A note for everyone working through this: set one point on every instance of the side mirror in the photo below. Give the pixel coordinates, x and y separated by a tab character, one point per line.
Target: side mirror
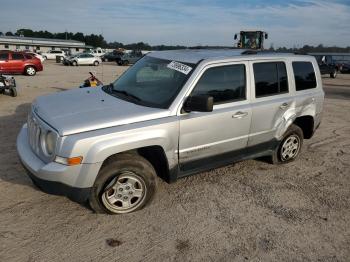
266	35
201	103
235	37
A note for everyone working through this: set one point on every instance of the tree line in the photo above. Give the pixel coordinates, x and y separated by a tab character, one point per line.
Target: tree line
99	41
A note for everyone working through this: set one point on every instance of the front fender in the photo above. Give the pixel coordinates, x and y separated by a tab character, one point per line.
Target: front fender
104	148
96	146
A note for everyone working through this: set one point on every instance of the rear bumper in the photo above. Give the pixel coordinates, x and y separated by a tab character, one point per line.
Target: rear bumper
39	67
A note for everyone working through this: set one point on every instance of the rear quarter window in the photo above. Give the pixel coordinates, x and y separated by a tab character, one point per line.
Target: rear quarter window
304	75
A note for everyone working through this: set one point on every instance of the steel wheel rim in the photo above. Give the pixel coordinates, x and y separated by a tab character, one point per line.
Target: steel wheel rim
124	193
30	71
290	147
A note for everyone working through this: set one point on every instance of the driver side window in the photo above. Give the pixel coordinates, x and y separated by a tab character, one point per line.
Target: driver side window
224	83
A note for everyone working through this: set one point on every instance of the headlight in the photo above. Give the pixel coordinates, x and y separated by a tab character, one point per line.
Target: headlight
49	143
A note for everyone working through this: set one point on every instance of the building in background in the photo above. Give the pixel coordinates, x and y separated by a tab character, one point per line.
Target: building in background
21	43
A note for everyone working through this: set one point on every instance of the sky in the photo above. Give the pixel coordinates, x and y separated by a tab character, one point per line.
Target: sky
181	22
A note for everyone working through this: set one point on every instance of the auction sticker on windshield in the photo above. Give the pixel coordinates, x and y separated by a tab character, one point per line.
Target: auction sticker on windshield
185	69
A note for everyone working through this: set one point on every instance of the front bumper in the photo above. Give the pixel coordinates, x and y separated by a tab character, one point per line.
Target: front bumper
55	178
76	194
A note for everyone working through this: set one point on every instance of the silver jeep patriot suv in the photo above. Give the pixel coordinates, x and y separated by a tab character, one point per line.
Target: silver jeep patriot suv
172	114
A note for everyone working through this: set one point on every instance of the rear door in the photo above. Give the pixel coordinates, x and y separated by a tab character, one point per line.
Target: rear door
204	137
270	99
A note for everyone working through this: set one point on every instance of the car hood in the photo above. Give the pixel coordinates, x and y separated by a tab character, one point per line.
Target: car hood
86	109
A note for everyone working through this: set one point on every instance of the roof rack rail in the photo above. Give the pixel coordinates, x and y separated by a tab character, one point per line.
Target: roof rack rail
300	53
254	52
249	52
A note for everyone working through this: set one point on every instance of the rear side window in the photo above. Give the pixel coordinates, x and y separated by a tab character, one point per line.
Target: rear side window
270	78
17	56
28	56
223	83
304	75
4	56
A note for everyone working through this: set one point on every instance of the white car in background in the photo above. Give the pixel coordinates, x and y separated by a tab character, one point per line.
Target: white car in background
82	59
98	52
53	53
42	59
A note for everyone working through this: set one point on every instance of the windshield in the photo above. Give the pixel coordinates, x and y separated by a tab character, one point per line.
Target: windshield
151	82
251	40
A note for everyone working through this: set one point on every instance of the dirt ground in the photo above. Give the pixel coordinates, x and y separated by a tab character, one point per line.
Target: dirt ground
248	211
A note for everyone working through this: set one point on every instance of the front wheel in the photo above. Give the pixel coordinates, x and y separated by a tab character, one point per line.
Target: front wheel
30	71
96	63
74	63
289	147
333	74
13	91
126	184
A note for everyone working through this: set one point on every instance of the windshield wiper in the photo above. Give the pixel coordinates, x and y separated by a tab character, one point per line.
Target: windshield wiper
108	88
125	93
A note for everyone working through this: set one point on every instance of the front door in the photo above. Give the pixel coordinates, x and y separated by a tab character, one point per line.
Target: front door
206	136
4	62
16	62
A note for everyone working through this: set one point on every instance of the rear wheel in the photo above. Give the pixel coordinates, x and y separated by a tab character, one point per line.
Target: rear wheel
124	185
30	71
289	147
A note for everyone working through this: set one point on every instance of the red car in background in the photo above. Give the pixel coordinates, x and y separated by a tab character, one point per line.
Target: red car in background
19	63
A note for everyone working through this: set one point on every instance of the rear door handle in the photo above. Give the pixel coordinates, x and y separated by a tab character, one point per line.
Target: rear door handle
240	114
284	105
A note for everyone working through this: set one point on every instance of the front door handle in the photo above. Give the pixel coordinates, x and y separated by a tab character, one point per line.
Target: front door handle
240	114
284	105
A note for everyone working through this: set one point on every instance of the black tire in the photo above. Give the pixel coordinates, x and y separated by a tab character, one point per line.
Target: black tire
294	132
96	63
333	74
108	176
30	71
13	91
74	63
126	62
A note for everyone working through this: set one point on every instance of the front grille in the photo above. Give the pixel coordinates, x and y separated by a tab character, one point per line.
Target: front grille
34	132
